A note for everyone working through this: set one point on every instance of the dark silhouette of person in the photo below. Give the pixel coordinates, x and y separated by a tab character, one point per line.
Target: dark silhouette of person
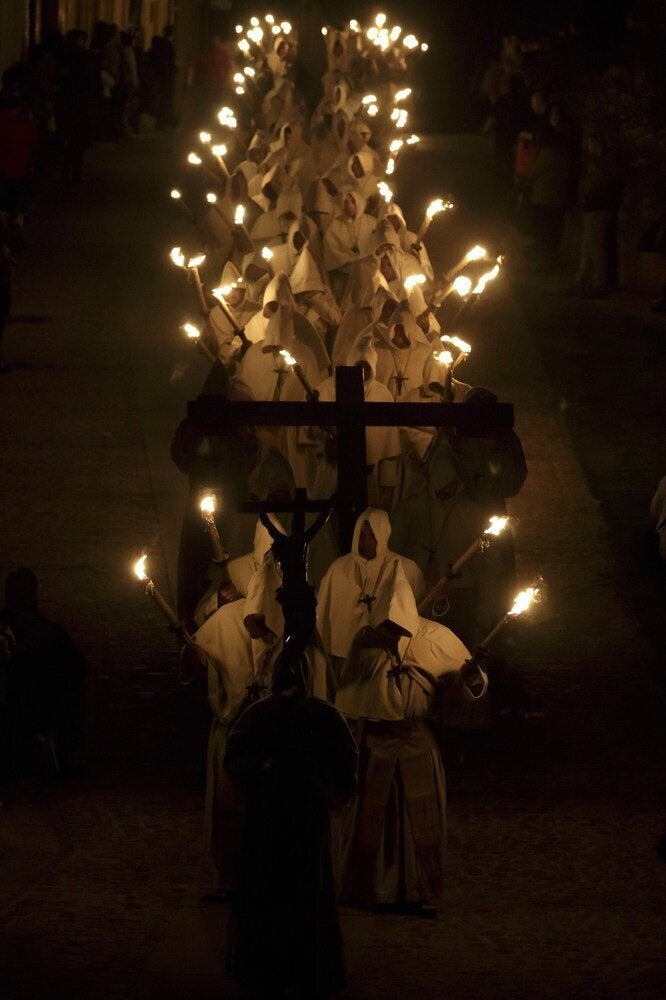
293	759
45	681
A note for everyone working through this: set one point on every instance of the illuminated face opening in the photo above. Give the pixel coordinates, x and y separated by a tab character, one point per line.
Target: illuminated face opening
270	308
338	49
388	309
298	241
349	206
288	137
367	543
257	155
357	168
235	297
387	269
399	336
423	320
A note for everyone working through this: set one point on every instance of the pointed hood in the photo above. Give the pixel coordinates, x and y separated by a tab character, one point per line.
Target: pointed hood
381	297
364	350
290	200
340	129
278	290
396	602
360	131
391	211
381	529
434	372
306	277
366	160
359	200
385	234
261	599
230	274
416	301
261	142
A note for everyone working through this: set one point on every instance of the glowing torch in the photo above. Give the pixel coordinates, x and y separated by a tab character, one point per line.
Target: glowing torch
207	508
151	590
476	253
481	544
434	208
310	394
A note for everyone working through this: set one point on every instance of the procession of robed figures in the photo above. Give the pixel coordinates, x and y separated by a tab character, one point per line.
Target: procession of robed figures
334	452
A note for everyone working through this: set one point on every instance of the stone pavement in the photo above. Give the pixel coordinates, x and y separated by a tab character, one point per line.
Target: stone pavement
553	885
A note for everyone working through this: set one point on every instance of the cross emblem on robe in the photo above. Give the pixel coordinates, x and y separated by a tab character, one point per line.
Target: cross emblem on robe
350	415
368	600
400	380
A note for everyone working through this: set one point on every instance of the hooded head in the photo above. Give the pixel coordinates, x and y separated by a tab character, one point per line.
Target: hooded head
255	270
384	304
363	353
385	236
238	190
359	137
278	295
257	151
393	214
358	200
276	479
306	277
372	524
360	165
289	206
434	373
340	128
441	472
404	332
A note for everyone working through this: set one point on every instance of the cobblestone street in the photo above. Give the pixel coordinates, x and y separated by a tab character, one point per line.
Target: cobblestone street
554	888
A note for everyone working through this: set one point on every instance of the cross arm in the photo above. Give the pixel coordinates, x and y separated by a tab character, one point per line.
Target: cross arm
216	414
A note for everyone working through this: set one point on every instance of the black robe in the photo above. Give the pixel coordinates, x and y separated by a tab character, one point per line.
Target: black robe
293	759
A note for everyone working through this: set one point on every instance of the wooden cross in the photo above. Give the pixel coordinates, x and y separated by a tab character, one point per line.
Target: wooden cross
350	414
368	600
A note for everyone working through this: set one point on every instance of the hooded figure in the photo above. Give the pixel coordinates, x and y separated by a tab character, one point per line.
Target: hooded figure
361	171
242	307
314	298
294	156
333	150
278	296
240	571
256	274
449	522
393	839
286	255
272	225
415	441
424	314
269	377
359	315
394	215
359	142
366	587
349	236
401	354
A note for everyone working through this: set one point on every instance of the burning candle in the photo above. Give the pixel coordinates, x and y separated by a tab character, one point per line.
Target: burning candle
177	195
267	256
413	280
463	348
311	394
207	508
219	151
193	265
239	215
373	110
368	99
194	334
385	191
219	294
402	95
476	253
174	623
433	209
521	603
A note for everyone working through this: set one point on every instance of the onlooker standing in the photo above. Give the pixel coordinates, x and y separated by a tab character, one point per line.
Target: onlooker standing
18	136
77	102
598	198
547	182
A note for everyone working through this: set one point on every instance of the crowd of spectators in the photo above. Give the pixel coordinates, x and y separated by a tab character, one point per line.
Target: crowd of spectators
579	134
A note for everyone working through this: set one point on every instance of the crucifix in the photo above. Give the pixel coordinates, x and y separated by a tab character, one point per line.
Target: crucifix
368	600
350	415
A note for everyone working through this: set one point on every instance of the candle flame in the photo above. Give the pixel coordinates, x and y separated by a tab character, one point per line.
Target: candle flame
256	35
194	159
396	145
485	278
413	139
254	21
369	99
462	285
476	253
424	46
249	72
207	505
523	600
177	257
140	568
354	25
267	254
402	95
192	331
175	194
444	357
390	166
385	191
437	206
373	110
286	27
205	137
219	150
496	526
240	91
276	29
197	260
238	78
380	20
410	41
395	33
239	29
244	45
372	33
413	280
270	19
239	215
401	120
289	359
324	31
462	345
211	198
